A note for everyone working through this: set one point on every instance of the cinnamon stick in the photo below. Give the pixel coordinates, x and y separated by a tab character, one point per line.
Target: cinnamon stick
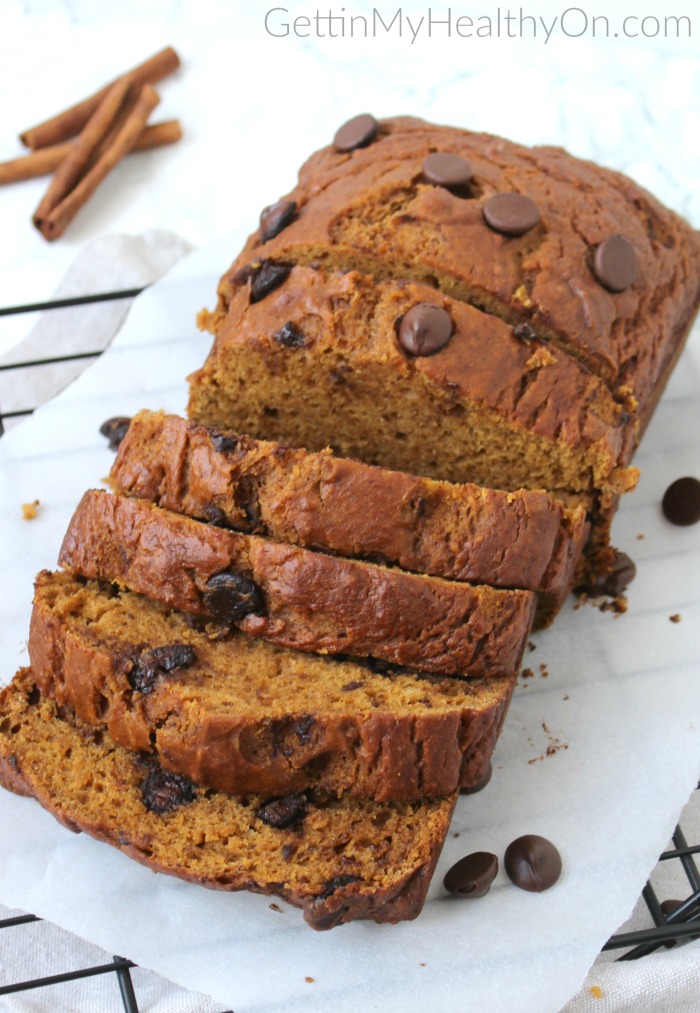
44	161
71	121
75	164
56	221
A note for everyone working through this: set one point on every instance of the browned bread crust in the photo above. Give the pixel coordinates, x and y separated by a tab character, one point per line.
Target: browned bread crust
372	209
310	601
523	539
245	716
341	860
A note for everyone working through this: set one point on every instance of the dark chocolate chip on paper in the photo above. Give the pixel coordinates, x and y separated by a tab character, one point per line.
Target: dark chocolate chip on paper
472	876
115	430
532	863
681	502
614	583
512	214
356	133
425	329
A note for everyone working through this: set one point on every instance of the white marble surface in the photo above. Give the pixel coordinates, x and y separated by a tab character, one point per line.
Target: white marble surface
253	107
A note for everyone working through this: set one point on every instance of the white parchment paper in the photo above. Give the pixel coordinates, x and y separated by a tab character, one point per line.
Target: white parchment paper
619	707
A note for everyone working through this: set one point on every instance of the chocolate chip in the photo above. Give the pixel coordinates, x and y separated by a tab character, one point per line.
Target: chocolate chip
267	278
224	442
303	726
151	665
443	168
214	515
513	214
174	656
356	133
614	583
288	852
425	329
163	791
290	335
351	685
524	332
472	876
337	883
282	812
115	430
275	218
231	597
532	863
681	502
480	784
615	264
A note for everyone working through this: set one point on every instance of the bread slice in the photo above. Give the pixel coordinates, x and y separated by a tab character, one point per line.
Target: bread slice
298	598
338	859
523	539
243	715
490	408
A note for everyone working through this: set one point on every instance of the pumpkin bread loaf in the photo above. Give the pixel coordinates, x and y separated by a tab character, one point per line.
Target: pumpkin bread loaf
338	859
523	539
242	715
295	597
560	295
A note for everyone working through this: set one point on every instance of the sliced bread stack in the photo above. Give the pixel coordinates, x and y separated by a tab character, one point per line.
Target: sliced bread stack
273	668
224	650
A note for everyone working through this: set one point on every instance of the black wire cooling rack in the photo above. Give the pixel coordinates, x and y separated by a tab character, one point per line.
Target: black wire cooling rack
674	922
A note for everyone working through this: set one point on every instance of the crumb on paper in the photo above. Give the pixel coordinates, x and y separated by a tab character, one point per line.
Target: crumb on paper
531	646
456	833
554	745
640	537
308	978
544	671
675	618
596	991
527	673
566	696
276	907
422	963
30	510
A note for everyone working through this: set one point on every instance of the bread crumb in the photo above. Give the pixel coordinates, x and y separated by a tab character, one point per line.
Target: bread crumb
527	673
596	991
565	697
30	510
456	833
640	537
307	978
544	671
276	907
675	618
554	745
522	296
422	963
540	357
531	646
